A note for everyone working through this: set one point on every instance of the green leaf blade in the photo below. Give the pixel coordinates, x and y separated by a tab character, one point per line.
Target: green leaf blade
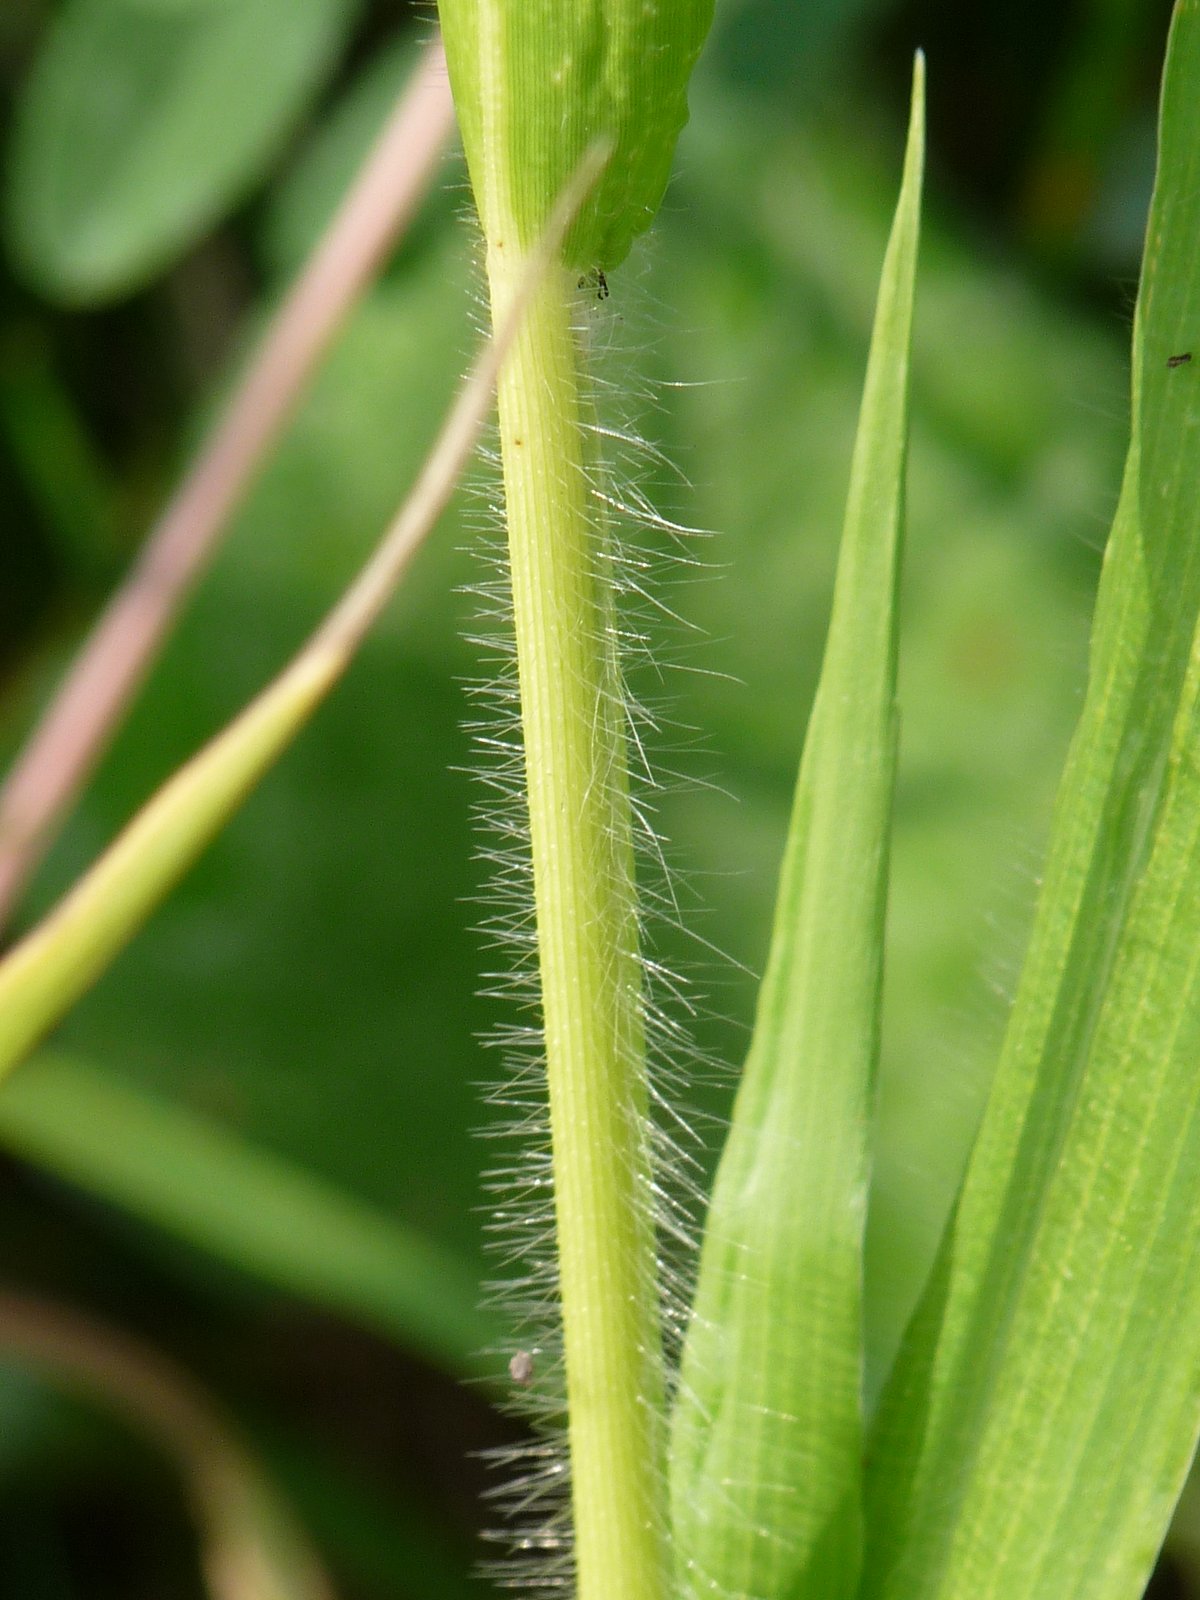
1044	1407
767	1431
142	123
572	73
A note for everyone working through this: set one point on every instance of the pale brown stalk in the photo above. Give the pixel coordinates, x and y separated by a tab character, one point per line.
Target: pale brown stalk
251	1548
106	674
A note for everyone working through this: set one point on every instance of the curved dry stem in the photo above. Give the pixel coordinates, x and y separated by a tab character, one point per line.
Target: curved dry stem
109	669
251	1546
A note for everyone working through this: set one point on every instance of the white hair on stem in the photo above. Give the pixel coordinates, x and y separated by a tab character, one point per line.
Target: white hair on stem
635	544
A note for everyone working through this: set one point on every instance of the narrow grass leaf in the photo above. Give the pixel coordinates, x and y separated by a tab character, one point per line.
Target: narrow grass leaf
1045	1404
264	1215
767	1429
43	976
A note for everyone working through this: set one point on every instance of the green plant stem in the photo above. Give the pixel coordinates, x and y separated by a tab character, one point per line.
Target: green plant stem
580	829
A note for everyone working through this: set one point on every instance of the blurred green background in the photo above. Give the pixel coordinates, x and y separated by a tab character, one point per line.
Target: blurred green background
255	1145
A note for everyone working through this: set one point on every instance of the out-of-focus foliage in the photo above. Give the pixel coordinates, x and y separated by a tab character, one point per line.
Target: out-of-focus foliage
312	990
143	121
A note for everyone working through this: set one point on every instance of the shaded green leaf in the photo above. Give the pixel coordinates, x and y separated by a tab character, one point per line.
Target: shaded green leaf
1045	1405
142	123
767	1432
211	1189
61	468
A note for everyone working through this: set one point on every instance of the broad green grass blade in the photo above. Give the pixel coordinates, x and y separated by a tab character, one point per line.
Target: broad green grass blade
767	1430
265	1215
1045	1404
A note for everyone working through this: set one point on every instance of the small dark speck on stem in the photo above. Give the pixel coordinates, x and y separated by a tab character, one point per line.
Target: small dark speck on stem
1180	360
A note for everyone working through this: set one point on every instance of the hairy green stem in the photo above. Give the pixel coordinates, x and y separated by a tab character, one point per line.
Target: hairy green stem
579	814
